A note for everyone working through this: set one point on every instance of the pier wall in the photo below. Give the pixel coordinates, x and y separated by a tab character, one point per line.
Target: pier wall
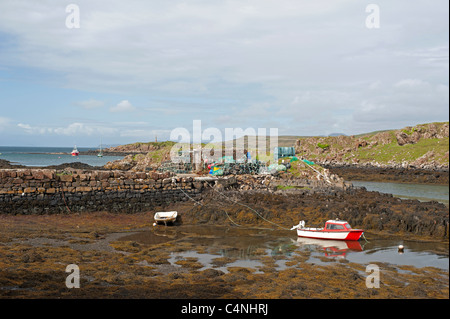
46	191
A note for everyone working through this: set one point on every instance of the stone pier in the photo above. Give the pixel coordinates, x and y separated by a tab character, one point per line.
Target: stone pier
42	191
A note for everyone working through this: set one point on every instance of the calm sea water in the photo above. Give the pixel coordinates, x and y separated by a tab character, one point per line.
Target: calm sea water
422	192
246	246
47	156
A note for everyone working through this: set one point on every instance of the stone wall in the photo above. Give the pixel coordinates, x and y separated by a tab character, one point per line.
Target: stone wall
248	182
41	191
48	191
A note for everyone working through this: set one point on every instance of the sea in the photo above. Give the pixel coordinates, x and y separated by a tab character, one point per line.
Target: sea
421	192
49	156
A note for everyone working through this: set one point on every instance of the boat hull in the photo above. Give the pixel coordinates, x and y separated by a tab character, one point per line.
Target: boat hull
166	217
354	234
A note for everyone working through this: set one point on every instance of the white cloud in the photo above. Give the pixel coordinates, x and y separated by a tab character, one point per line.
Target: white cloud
302	64
90	104
431	56
123	106
182	46
410	83
73	129
407	102
33	130
146	134
26	127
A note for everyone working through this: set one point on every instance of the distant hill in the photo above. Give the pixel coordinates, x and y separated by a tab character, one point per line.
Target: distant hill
283	141
336	134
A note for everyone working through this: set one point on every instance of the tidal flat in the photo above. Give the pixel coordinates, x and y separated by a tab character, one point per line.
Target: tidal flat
125	256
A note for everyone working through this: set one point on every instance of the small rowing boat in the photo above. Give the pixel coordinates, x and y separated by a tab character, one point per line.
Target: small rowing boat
334	229
166	217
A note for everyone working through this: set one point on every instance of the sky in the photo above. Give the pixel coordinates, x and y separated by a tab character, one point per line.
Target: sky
84	72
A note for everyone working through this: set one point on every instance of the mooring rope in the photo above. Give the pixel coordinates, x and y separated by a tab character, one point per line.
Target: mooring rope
364	236
325	177
64	198
231	219
174	183
250	209
199	203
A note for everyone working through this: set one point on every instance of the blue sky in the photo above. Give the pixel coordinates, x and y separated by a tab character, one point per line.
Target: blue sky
139	69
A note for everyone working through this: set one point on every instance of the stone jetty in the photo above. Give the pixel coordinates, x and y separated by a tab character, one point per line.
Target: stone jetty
40	191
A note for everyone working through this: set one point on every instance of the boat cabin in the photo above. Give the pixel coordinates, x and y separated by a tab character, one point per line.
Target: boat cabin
337	225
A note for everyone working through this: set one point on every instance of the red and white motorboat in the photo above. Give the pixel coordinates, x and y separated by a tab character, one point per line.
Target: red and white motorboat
334	229
75	151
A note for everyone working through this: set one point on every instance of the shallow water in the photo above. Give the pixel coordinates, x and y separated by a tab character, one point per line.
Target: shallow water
48	156
220	247
417	254
422	192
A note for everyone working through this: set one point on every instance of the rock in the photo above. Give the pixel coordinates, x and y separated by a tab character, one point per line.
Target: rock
360	143
95	235
50	190
38	175
197	185
65	178
29	189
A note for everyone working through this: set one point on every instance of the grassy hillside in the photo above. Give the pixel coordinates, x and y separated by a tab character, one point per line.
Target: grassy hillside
419	145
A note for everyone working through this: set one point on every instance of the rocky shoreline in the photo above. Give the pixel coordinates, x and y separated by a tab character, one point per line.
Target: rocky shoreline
110	153
352	172
4	164
349	172
378	213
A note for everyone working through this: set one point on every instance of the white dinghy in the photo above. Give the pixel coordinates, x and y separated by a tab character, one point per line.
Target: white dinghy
166	217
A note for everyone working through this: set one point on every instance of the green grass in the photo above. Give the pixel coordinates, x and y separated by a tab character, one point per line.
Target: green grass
155	144
64	173
407	152
323	146
284	187
381	147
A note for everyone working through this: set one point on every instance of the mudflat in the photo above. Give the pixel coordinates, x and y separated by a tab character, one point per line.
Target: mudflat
125	256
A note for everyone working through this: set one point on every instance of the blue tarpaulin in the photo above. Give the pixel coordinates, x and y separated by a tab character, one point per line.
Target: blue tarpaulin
280	152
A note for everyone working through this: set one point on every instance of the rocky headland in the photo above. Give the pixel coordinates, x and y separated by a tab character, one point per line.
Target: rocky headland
424	146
